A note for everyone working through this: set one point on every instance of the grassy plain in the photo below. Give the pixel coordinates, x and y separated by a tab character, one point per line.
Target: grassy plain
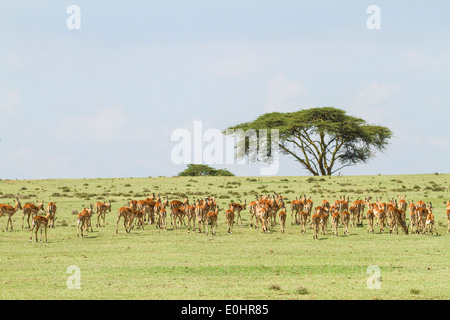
154	264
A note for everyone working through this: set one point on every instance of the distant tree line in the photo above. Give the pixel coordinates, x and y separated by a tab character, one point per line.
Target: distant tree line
203	170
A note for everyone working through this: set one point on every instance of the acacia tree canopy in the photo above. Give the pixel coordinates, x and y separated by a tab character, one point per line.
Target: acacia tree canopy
323	140
203	170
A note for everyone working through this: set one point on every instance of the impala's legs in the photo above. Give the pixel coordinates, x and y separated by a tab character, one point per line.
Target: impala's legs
31	234
10	223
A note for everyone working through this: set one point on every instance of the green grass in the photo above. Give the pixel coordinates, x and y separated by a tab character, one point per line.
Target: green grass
153	264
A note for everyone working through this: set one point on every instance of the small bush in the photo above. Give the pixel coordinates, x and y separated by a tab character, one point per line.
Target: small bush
275	287
302	291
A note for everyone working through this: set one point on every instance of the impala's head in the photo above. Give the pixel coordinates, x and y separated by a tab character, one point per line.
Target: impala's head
283	207
18	204
41	205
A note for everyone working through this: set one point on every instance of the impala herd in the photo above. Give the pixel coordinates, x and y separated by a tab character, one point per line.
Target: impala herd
263	212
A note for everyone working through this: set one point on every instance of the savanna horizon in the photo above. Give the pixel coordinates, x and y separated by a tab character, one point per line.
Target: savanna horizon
150	263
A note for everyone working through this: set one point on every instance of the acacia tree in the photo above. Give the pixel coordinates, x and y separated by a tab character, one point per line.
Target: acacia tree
203	170
323	140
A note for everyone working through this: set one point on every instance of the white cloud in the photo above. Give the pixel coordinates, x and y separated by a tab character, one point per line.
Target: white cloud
283	95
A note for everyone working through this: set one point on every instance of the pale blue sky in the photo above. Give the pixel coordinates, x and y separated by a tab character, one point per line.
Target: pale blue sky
103	101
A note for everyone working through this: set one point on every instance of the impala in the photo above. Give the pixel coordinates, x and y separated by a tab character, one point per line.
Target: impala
342	204
392	221
325	204
421	204
51	209
282	216
149	206
84	221
153	210
229	215
402	204
211	202
100	209
307	205
413	216
430	225
139	215
252	210
370	220
315	222
262	216
448	215
345	220
6	209
422	214
448	221
379	213
178	216
133	204
275	205
38	222
399	215
211	220
237	207
201	210
335	218
177	203
324	222
190	215
447	205
353	215
30	209
296	206
163	219
127	214
360	206
303	219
